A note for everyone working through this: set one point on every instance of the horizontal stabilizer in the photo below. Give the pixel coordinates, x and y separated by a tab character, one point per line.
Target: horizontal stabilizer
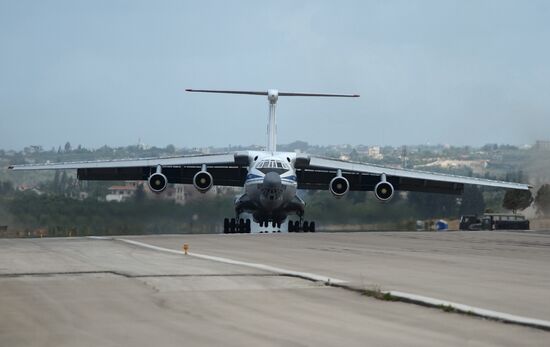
319	94
249	92
226	91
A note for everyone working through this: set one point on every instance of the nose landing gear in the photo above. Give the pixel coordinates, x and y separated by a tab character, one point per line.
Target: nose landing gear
236	225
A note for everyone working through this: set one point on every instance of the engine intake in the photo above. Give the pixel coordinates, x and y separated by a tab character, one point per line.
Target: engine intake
203	181
157	182
383	191
339	186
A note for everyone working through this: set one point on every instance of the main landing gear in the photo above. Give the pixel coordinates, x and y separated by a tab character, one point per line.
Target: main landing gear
236	225
301	227
241	225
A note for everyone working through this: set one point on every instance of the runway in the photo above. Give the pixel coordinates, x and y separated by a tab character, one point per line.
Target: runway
89	292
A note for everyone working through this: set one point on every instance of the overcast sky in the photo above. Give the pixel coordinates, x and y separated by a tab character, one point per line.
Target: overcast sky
110	72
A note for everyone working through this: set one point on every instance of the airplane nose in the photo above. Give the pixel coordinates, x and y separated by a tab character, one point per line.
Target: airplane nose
272	188
272	180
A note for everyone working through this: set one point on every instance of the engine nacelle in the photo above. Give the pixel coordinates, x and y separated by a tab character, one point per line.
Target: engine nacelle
157	182
339	186
203	181
383	191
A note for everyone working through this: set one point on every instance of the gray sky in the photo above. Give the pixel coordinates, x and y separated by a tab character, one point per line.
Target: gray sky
110	72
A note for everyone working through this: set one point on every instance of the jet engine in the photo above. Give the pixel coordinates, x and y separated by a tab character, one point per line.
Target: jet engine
203	181
339	185
157	182
383	190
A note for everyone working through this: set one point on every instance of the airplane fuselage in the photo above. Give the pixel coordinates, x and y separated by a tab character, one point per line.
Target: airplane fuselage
270	188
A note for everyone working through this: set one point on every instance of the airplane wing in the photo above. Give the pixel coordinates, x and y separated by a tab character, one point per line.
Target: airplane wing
316	172
227	169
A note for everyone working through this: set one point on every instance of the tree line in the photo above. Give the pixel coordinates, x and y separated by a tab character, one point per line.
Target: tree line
60	213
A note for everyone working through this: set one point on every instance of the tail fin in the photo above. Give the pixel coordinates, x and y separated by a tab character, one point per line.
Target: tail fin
272	96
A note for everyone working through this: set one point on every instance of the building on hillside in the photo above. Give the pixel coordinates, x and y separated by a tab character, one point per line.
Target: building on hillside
374	152
542	145
477	166
121	193
344	157
27	188
175	192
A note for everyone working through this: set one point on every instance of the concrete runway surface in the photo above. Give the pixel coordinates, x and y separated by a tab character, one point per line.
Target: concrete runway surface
90	292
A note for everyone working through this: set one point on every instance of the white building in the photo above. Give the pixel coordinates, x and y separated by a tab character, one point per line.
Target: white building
175	192
374	152
121	193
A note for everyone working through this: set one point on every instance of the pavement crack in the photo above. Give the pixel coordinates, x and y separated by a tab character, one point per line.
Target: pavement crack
129	275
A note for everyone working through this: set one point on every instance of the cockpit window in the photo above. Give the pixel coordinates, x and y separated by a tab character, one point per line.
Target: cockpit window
268	165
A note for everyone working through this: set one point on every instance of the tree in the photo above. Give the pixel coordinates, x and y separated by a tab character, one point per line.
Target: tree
67	146
433	205
542	200
140	193
171	149
55	184
472	201
6	187
515	199
353	155
63	183
357	197
515	176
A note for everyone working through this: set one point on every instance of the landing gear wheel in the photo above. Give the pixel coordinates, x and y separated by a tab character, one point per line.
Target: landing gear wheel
226	225
241	226
232	226
311	227
248	228
305	227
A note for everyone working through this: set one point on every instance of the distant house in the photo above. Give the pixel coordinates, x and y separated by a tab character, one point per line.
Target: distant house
27	188
121	193
374	152
477	166
124	192
542	145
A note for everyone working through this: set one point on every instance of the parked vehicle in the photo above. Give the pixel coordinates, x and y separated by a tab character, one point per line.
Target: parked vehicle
494	221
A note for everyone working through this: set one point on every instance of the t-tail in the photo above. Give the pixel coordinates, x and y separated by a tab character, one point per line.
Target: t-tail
272	97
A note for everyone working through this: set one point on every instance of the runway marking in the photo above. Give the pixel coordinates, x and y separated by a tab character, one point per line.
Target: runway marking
481	312
399	296
306	275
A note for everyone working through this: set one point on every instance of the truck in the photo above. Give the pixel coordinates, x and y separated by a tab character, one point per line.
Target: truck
494	221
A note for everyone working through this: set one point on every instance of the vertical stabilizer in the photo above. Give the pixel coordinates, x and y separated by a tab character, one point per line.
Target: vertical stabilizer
272	96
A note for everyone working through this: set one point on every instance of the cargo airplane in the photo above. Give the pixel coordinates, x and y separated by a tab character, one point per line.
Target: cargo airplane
271	178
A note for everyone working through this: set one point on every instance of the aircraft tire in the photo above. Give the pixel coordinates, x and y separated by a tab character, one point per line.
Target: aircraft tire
226	225
241	226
